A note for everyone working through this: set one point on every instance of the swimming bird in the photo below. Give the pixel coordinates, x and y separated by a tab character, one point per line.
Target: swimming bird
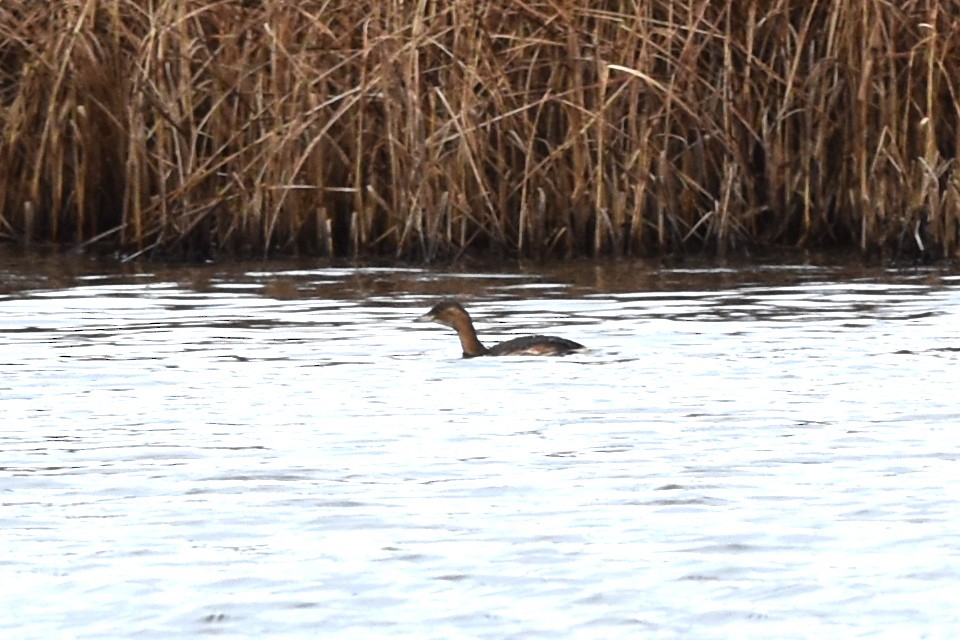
452	314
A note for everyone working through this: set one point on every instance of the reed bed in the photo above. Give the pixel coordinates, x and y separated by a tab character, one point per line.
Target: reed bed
427	129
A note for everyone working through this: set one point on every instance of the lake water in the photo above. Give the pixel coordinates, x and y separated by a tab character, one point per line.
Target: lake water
277	450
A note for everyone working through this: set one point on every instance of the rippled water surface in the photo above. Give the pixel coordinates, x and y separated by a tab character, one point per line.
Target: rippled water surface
278	451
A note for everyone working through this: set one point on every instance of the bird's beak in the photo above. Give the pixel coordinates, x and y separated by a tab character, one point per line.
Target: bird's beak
427	317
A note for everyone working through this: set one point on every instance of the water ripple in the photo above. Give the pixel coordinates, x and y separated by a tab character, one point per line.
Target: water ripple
281	452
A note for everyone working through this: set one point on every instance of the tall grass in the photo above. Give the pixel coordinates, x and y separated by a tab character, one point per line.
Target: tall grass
427	129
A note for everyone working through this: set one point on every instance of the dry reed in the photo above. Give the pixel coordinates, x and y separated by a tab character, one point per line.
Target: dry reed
426	129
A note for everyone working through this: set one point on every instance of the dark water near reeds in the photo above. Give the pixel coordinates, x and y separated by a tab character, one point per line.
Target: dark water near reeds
278	451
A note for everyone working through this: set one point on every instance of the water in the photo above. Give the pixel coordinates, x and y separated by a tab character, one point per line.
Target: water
278	451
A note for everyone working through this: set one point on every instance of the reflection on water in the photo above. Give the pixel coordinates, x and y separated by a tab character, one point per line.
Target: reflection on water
279	451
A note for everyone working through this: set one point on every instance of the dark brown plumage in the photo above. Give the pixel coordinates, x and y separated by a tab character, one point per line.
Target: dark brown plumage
452	314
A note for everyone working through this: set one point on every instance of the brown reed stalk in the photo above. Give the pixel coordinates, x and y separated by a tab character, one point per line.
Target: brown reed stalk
424	130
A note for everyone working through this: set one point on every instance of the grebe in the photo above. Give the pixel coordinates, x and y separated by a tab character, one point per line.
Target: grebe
452	314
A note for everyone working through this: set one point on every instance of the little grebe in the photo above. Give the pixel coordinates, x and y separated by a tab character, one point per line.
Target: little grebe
452	314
